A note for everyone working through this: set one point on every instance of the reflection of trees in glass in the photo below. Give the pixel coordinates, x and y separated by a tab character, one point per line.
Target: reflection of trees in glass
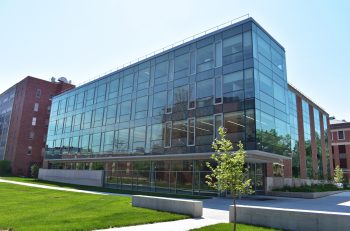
319	173
271	141
308	157
295	160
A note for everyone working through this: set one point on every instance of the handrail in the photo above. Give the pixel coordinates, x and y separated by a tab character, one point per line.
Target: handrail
228	23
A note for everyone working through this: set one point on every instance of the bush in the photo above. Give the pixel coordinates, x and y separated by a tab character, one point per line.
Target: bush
5	167
309	188
34	171
338	175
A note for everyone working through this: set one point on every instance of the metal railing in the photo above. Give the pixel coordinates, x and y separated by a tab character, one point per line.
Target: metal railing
167	48
187	182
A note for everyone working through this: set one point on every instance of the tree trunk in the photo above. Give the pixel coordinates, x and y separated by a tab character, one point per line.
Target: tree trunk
235	214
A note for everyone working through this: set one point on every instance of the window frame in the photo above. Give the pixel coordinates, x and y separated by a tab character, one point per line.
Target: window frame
194	131
338	132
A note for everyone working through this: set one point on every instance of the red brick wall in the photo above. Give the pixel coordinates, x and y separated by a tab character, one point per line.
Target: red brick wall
313	142
323	146
302	151
21	123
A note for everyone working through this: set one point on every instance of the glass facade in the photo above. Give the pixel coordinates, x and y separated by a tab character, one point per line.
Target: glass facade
6	104
173	103
294	134
271	95
307	137
317	123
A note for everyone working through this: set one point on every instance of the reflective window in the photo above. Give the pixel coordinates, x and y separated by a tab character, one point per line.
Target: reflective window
70	103
264	47
192	96
266	84
87	119
77	122
205	89
113	88
167	142
181	94
162	69
68	124
144	75
160	99
234	123
157	135
218	54
89	96
232	45
218	90
79	100
98	120
182	62
101	93
204	130
125	108
179	136
279	93
191	131
139	138
170	101
217	124
205	58
277	59
108	141
74	145
142	104
249	83
157	131
123	140
233	82
111	114
193	62
84	144
96	142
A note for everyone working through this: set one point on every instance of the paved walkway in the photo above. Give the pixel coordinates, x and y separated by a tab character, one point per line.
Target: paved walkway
216	209
210	217
60	188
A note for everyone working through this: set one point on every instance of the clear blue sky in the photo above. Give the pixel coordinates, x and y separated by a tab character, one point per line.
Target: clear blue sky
82	39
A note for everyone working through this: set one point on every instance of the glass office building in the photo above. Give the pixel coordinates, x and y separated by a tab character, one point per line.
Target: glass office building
150	125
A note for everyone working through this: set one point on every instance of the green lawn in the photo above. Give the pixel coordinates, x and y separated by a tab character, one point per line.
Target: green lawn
27	208
98	189
228	227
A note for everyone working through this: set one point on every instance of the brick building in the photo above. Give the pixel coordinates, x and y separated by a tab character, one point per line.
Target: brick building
24	118
340	130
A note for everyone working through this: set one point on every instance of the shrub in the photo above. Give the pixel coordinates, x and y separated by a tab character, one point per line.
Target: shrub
34	171
5	167
338	175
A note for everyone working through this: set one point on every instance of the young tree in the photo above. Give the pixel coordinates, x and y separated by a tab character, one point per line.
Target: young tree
338	175
229	174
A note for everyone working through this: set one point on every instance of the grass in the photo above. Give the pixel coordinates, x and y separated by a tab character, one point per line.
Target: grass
228	227
99	189
310	188
25	208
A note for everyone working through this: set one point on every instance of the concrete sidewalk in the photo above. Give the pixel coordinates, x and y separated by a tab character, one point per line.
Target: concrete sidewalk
210	217
60	188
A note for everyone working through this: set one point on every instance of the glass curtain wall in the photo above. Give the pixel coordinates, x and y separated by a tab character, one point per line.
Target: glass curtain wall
293	120
307	137
325	131
317	123
172	103
271	95
6	104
